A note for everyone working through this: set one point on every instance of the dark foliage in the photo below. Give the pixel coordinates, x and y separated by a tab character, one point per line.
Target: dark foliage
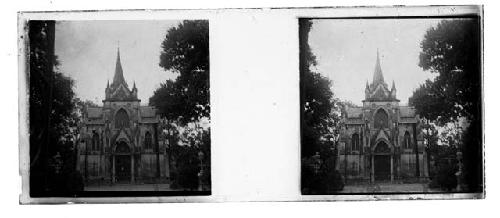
473	157
51	102
316	96
187	168
452	50
445	178
185	51
445	167
188	162
317	122
326	180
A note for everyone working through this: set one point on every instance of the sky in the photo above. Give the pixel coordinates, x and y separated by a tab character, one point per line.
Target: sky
87	53
346	52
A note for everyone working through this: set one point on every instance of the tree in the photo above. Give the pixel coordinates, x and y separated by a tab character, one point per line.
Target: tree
428	103
452	50
320	115
316	96
185	51
186	153
51	103
185	101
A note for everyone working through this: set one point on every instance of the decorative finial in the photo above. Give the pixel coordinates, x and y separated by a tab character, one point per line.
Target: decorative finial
378	56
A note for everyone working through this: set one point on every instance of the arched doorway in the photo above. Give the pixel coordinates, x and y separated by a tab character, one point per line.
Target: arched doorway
123	163
382	162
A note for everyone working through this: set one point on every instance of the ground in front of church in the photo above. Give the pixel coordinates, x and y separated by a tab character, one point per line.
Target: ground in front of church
389	188
130	187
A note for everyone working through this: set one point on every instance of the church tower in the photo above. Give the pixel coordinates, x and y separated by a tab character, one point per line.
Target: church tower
379	139
120	140
378	90
119	90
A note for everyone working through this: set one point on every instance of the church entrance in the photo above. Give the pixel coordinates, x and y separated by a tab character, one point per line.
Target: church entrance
122	168
382	162
382	167
123	163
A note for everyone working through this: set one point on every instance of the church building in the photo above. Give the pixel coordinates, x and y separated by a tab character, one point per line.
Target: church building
381	141
121	141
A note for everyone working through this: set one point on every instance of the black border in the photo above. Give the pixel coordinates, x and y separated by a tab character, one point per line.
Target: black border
107	194
480	19
93	194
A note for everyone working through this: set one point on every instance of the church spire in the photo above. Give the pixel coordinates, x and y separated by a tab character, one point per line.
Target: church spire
378	77
118	78
393	85
118	90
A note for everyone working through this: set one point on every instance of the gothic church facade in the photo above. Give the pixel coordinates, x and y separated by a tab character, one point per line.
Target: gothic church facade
381	140
121	141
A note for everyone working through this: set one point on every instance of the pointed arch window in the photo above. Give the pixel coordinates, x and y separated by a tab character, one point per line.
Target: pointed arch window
355	142
148	140
407	140
95	141
381	119
121	119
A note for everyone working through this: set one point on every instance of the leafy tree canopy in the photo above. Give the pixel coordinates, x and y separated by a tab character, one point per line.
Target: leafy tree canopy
452	51
185	100
50	92
185	51
318	105
51	118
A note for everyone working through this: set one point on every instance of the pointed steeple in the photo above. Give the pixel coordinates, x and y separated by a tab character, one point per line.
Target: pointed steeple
106	91
367	85
378	77
118	78
118	90
134	89
378	90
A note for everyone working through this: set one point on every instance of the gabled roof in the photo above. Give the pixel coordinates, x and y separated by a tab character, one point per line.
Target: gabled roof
381	135
122	135
94	112
407	111
354	112
148	111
